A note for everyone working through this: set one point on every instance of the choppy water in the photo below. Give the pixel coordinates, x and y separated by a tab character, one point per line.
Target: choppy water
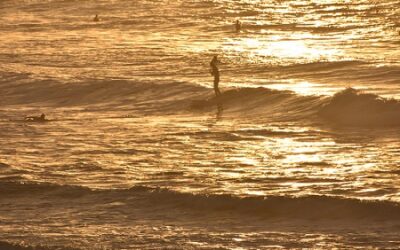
136	157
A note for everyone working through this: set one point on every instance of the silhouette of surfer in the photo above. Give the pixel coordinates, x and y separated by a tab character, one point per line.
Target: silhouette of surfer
41	118
96	18
215	72
238	26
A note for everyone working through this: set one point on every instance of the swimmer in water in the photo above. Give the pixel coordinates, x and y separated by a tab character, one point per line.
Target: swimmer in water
40	118
238	26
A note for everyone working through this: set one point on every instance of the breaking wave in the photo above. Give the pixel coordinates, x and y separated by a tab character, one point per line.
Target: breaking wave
347	107
305	207
11	246
352	107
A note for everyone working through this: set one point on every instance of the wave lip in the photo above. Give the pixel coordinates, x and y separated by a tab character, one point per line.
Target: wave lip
352	107
306	207
15	189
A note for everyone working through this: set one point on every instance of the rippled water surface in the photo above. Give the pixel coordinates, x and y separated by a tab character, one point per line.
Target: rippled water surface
301	151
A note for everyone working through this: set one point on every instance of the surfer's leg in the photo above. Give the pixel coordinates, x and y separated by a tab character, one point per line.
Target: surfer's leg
217	92
216	88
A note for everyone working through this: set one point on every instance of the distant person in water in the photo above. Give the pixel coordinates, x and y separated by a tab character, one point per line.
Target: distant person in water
238	26
215	72
40	118
96	18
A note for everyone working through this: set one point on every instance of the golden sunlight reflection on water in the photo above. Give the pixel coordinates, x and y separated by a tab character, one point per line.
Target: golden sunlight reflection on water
126	161
175	151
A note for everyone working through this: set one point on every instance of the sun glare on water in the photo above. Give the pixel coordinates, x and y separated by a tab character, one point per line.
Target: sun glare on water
286	49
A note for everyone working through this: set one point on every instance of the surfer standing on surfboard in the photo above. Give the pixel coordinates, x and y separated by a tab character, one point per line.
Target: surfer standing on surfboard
215	72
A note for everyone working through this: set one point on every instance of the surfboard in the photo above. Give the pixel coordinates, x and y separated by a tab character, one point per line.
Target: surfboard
202	104
31	121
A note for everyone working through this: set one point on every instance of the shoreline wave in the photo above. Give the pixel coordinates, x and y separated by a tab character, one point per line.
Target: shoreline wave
312	207
13	246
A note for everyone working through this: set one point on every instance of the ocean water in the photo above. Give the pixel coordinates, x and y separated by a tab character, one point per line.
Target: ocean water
302	152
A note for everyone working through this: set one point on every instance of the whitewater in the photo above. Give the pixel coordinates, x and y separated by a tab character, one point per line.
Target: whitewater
301	151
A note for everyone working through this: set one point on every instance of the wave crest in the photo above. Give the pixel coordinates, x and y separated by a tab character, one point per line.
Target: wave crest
352	107
305	207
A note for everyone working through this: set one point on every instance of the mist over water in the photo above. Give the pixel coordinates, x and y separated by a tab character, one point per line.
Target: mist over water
303	153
